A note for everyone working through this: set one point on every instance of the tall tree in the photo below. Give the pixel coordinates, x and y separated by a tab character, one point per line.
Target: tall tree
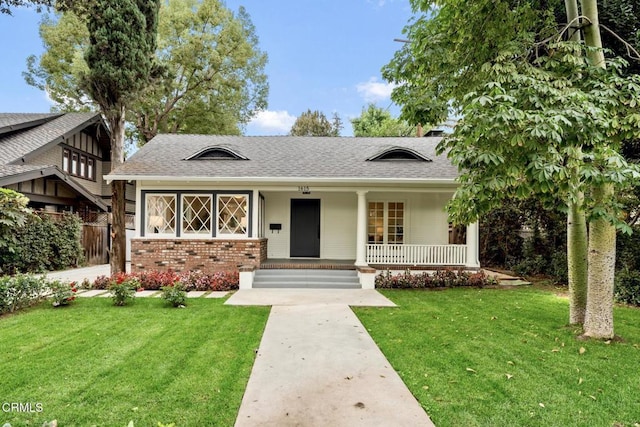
315	123
529	107
120	64
375	121
214	79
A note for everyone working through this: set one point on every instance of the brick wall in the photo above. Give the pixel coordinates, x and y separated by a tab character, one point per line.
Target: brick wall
207	255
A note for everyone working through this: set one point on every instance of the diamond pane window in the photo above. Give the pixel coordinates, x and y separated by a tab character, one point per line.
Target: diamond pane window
196	214
232	215
160	215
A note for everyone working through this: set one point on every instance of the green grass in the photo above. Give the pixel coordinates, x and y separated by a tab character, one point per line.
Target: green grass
456	349
95	364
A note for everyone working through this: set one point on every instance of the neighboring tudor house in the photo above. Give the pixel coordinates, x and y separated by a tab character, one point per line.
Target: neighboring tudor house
220	202
57	160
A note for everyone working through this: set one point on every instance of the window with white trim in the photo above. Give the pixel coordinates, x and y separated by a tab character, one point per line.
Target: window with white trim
196	214
385	223
160	217
232	214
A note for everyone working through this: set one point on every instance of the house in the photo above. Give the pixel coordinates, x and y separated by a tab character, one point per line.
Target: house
250	203
58	160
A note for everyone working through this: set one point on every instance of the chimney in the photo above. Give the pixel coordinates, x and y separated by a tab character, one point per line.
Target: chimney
419	131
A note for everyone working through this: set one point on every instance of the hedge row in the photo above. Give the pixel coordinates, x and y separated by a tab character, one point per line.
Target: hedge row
437	279
43	244
156	280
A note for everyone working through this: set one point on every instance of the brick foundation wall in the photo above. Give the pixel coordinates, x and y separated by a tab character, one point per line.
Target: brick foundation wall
206	255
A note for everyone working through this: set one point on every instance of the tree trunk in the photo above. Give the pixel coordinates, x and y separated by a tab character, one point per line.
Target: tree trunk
577	254
118	200
571	6
598	322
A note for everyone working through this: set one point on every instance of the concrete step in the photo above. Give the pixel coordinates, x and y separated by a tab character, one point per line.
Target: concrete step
313	279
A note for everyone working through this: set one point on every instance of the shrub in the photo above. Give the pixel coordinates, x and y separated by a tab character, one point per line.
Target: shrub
57	240
155	280
191	280
175	294
123	288
20	291
627	288
62	293
446	278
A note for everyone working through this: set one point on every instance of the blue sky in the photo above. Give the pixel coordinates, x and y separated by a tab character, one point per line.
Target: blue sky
324	55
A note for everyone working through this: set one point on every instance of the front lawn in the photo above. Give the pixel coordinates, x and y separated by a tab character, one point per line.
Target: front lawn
505	357
95	364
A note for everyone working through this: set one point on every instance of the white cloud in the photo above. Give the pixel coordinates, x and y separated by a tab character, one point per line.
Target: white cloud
374	91
273	121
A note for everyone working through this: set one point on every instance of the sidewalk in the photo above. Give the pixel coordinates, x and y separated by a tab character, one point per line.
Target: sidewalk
318	366
79	274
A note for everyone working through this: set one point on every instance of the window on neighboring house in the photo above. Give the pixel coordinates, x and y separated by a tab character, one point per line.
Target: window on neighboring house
83	167
232	215
78	164
385	223
74	163
196	214
160	217
91	173
66	160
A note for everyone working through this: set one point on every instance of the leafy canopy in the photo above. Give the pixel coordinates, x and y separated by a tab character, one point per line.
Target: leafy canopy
315	123
375	121
213	78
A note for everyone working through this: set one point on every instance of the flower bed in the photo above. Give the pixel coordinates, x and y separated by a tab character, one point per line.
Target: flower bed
438	279
191	280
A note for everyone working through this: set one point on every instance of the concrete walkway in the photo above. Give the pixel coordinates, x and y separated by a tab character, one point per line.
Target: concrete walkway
318	366
77	275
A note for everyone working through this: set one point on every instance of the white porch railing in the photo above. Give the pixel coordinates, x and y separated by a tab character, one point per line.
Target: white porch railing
417	254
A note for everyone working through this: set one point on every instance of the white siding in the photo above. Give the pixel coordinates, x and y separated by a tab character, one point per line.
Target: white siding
337	223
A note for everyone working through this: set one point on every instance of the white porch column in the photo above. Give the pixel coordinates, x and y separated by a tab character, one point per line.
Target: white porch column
361	230
473	244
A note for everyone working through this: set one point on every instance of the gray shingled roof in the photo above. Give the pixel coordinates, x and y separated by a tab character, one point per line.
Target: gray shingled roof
16	145
13	121
282	157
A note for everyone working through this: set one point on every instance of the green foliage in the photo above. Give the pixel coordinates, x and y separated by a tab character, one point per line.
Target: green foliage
436	279
123	289
5	5
213	78
175	294
627	288
14	213
628	250
20	291
550	129
119	56
62	293
315	123
443	60
374	122
57	239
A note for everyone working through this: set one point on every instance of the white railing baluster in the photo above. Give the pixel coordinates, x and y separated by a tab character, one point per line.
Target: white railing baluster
428	255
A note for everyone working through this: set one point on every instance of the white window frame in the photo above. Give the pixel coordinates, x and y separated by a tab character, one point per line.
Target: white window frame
185	233
147	218
219	233
385	222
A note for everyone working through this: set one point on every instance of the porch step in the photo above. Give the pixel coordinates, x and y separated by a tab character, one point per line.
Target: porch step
311	279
